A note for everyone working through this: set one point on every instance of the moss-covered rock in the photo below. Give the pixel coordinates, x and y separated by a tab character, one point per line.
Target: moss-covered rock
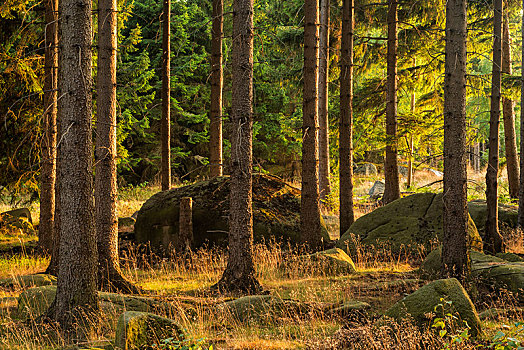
511	257
486	271
330	262
34	302
350	308
17	219
261	308
276	213
26	281
478	211
140	330
405	223
126	222
422	303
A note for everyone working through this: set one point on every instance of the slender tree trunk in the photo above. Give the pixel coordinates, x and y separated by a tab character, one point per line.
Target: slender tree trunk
48	175
76	288
240	270
347	216
323	102
520	221
215	129
508	116
493	239
310	227
166	97
392	186
410	140
476	157
106	221
455	256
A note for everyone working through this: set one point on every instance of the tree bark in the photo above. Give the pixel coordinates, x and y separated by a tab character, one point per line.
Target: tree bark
48	175
323	102
508	116
166	97
310	227
240	270
392	186
410	140
347	216
110	276
215	128
455	256
520	220
76	286
493	239
185	225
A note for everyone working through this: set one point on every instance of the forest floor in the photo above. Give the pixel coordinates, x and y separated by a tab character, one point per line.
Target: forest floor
185	287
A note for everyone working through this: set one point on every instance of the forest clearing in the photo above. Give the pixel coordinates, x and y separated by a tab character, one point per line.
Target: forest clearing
261	174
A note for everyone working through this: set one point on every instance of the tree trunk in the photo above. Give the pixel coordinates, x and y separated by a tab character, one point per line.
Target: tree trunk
310	228
323	102
410	140
185	225
240	270
166	97
347	216
215	128
520	221
508	116
476	157
48	175
493	240
76	287
392	187
455	256
109	274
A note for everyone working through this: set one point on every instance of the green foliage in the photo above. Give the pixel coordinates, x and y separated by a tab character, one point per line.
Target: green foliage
449	326
510	338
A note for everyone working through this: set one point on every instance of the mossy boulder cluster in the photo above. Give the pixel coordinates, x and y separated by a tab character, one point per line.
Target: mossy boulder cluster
276	213
426	299
487	271
406	223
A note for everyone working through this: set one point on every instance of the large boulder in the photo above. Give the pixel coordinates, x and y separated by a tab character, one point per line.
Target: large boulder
276	213
487	271
478	210
405	223
377	190
140	330
422	303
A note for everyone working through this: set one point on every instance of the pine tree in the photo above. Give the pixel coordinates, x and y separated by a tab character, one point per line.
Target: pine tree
166	97
215	128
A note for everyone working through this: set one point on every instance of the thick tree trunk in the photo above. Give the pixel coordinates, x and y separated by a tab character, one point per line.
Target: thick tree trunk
215	128
310	228
240	270
76	288
48	175
323	102
109	274
392	186
455	256
520	221
166	97
508	115
347	216
493	239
